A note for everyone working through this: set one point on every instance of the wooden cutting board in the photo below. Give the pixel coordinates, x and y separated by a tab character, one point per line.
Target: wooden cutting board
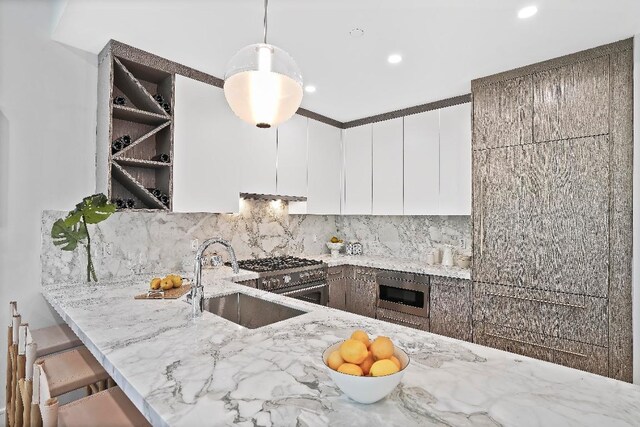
173	293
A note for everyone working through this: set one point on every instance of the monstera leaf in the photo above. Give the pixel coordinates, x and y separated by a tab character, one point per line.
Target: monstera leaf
72	230
94	209
68	235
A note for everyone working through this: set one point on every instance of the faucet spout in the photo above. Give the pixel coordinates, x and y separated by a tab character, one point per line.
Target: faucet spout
196	295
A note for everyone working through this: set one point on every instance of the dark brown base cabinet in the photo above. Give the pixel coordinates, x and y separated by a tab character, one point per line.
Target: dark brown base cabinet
552	210
353	289
451	304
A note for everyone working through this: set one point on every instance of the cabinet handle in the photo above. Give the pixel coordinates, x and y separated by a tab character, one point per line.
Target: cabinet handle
304	290
481	215
563	304
546	347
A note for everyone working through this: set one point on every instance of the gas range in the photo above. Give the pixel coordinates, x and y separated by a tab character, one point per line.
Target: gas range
300	278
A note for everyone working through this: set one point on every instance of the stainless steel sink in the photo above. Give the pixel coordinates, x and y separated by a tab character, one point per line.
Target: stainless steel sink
248	311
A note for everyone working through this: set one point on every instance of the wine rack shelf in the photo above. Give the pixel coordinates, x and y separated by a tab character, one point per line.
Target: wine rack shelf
135	128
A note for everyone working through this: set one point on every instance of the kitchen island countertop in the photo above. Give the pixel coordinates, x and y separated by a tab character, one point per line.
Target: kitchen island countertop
213	372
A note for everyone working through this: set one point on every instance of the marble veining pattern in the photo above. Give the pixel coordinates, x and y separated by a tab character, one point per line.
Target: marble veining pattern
397	264
144	242
213	372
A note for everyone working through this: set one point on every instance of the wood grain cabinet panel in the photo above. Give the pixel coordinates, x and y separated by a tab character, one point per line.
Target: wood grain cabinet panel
362	291
542	216
572	101
337	288
553	314
587	357
503	113
450	310
403	319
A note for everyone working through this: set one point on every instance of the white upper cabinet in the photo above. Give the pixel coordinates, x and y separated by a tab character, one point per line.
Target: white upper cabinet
422	163
257	163
292	157
455	160
388	167
206	151
358	179
324	170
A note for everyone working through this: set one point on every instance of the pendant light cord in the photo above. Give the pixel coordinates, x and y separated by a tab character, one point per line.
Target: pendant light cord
266	4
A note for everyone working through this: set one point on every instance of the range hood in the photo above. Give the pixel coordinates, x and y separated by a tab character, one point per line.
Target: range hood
257	196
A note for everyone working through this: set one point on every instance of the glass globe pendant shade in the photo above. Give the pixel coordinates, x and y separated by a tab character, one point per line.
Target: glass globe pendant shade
263	85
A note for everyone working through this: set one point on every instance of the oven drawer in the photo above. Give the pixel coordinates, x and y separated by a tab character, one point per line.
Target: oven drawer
403	319
586	357
554	314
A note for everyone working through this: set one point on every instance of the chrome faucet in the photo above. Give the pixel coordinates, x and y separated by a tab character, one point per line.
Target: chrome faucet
196	295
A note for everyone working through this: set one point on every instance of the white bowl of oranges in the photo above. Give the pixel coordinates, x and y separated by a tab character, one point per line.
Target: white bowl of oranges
366	371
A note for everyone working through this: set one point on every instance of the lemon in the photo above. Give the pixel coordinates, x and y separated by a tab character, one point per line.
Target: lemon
335	360
353	351
367	363
361	335
166	284
383	367
396	361
351	369
382	348
155	283
177	280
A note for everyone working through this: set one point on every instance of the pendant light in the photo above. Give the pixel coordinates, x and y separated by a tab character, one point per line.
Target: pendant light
263	84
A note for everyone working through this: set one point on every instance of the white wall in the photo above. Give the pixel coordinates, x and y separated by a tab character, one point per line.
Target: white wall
636	210
47	145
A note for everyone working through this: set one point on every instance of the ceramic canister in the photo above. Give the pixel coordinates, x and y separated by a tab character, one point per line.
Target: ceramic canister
357	248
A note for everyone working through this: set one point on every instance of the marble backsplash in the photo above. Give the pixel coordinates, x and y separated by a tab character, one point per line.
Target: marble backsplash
152	242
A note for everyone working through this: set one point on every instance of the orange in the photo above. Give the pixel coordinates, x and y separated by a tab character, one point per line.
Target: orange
353	351
382	348
396	361
361	335
351	369
383	367
334	360
366	364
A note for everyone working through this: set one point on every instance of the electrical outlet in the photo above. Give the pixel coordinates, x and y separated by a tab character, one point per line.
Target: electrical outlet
315	238
462	244
195	244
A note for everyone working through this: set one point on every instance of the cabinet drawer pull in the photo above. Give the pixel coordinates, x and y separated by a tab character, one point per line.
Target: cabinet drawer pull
546	347
563	304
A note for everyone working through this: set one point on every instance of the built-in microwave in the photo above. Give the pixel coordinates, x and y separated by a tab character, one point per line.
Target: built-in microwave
403	292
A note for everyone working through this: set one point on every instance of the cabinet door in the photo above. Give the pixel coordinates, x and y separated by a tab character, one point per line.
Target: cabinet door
205	177
361	292
291	178
572	101
503	114
325	169
451	307
422	163
455	160
337	288
258	160
388	167
542	216
358	180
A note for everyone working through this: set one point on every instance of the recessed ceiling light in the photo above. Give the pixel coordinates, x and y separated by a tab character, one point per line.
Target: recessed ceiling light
394	59
527	12
357	32
309	88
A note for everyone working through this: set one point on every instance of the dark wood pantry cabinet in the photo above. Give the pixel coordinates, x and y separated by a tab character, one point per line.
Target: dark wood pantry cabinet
552	220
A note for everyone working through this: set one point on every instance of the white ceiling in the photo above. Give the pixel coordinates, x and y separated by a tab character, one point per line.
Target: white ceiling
445	43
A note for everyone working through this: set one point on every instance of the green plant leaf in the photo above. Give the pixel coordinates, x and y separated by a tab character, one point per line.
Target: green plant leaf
67	236
94	209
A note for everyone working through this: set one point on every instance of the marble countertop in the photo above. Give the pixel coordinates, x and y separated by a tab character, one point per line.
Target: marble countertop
181	372
397	264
